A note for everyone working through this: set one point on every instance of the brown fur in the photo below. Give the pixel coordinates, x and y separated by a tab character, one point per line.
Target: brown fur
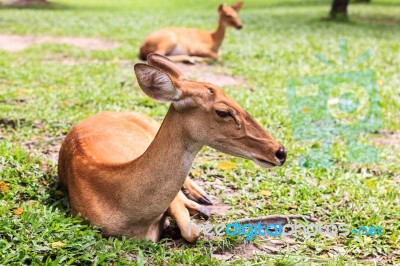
185	44
124	173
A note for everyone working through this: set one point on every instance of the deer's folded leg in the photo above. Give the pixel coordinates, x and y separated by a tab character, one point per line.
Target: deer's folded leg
180	209
188	59
195	192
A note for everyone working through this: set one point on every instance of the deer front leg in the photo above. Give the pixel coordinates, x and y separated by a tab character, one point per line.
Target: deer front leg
186	59
195	192
180	209
205	54
195	57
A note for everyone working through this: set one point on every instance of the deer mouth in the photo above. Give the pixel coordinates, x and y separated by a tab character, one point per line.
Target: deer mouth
264	163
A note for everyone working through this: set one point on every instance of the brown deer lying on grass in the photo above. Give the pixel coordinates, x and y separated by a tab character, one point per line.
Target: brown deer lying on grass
124	172
191	45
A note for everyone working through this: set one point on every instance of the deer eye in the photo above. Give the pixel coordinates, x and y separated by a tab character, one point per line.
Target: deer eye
222	114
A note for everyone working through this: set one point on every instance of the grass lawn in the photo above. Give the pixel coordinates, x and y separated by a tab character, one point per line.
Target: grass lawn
48	87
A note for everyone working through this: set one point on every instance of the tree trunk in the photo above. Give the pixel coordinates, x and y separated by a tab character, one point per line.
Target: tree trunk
339	9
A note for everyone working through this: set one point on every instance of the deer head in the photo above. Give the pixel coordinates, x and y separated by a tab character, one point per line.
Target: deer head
210	116
229	15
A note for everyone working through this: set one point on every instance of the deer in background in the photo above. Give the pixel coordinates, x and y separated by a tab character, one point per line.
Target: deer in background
191	45
124	172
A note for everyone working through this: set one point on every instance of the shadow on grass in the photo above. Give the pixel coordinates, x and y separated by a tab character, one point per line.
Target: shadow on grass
374	21
57	196
305	3
291	4
365	22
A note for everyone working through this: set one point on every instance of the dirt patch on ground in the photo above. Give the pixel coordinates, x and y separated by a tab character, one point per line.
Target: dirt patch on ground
214	74
388	138
199	72
241	251
11	123
210	73
48	146
249	250
218	207
67	60
217	187
45	144
15	43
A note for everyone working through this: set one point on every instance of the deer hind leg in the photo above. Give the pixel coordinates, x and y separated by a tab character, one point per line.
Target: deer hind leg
195	192
180	209
162	45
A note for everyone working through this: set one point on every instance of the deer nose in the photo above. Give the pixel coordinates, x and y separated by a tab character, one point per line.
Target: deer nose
239	27
281	155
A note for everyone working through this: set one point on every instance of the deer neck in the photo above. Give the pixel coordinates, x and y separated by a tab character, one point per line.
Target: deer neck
218	35
158	175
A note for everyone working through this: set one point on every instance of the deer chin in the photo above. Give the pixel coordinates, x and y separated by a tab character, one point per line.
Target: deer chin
263	163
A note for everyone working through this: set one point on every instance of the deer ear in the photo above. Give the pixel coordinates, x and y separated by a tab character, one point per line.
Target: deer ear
221	7
237	6
164	64
156	83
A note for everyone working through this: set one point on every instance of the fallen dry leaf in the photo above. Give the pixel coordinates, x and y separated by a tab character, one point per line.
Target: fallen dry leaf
22	91
371	184
3	187
18	211
226	165
57	244
196	173
265	192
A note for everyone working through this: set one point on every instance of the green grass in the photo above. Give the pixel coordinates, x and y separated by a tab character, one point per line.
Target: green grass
43	99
